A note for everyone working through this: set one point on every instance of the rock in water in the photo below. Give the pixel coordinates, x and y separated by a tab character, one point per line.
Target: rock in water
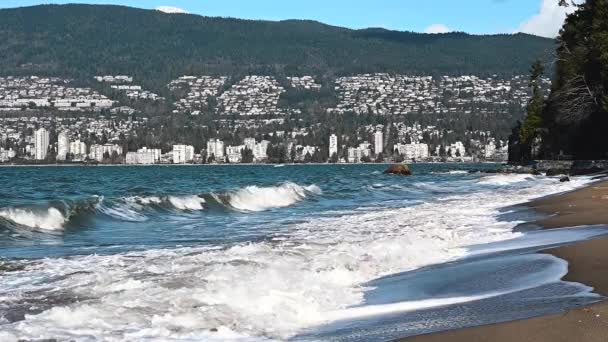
564	179
399	169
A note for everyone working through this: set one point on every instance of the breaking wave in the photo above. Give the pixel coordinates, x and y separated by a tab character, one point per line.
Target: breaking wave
250	198
51	218
185	203
56	215
254	198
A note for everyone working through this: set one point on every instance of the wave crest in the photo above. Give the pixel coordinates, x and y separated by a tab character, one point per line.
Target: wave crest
254	198
186	202
45	219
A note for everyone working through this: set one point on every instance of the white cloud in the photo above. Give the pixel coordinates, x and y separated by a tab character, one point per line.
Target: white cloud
548	21
437	28
171	9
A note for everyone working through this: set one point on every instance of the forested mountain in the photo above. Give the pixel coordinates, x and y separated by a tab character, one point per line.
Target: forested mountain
84	40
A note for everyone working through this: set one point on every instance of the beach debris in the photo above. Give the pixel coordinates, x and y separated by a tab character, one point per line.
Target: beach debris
399	169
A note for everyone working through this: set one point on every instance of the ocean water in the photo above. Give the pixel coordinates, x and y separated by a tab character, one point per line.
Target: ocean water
255	253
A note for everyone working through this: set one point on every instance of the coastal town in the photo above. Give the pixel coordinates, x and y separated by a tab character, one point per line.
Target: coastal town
96	123
65	147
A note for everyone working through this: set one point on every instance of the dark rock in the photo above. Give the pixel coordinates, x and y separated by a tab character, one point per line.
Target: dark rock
398	169
564	179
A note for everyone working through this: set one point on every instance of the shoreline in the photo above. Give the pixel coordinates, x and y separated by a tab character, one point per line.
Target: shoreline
587	264
235	164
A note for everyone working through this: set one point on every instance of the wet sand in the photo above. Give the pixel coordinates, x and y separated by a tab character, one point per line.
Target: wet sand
588	264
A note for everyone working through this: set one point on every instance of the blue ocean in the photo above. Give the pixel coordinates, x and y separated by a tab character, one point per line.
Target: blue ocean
258	253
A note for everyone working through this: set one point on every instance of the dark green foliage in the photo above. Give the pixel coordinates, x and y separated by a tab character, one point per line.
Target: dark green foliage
576	115
84	40
532	121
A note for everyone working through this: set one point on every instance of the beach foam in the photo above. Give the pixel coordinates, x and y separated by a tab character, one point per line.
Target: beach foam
506	179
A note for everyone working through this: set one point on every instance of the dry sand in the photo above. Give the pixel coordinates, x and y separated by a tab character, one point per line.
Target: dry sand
588	264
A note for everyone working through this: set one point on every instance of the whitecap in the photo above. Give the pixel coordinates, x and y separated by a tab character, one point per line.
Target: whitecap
254	198
187	202
49	219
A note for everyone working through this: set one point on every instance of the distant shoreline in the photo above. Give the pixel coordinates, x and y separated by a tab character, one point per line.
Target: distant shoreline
230	164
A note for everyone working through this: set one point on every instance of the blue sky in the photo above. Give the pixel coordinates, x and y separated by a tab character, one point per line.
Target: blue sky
473	16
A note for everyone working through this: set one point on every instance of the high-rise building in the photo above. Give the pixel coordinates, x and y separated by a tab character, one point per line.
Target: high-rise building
333	145
260	150
183	154
63	145
41	144
215	147
378	143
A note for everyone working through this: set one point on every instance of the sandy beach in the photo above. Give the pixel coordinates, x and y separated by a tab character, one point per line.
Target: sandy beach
588	264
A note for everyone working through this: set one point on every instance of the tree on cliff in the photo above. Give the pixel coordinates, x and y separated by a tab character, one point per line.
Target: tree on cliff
576	114
532	122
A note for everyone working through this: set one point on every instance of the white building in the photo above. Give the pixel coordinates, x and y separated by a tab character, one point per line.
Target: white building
490	150
378	143
457	150
302	151
412	151
63	145
234	153
249	143
333	145
6	155
142	157
78	149
183	154
156	152
260	151
354	155
215	148
99	152
41	144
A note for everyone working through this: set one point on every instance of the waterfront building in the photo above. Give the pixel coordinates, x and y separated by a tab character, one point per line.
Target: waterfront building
41	144
333	145
417	151
78	149
6	155
234	153
183	154
249	143
354	155
141	157
260	151
63	145
378	143
215	148
100	152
